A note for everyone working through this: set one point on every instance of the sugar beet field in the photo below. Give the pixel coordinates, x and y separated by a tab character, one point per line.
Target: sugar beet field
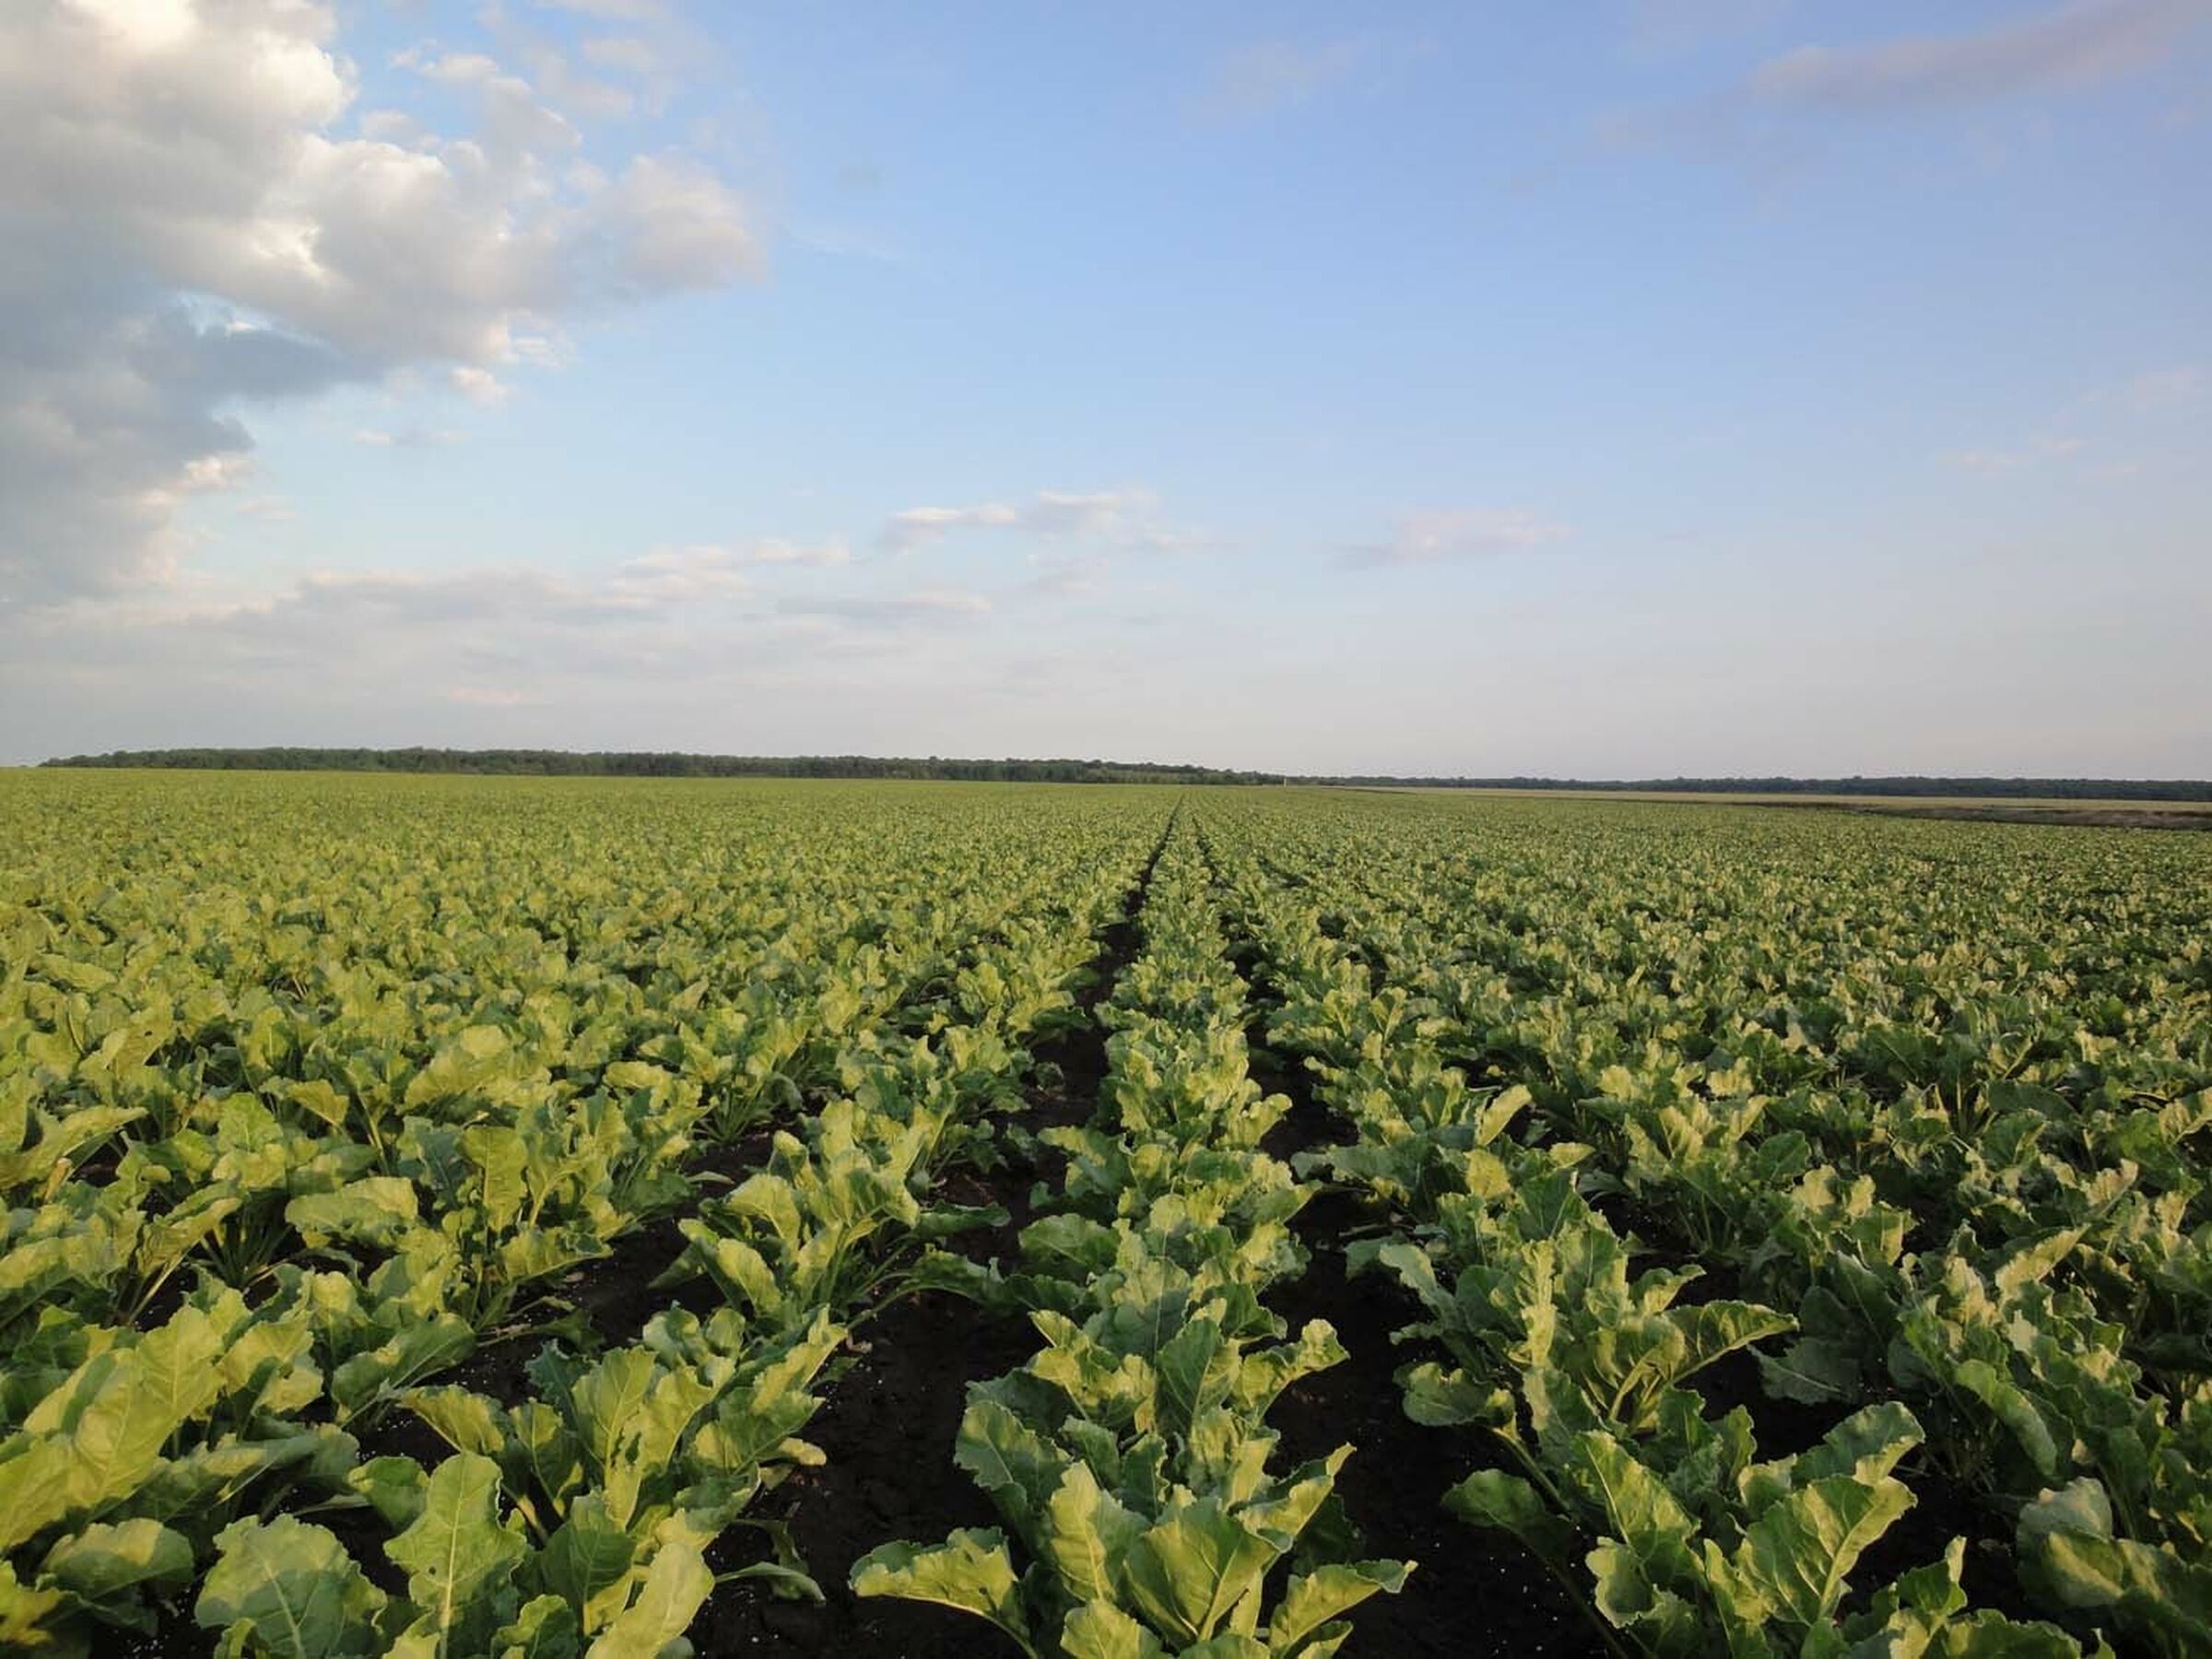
475	1216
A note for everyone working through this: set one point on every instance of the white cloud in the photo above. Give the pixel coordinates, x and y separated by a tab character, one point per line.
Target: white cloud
188	233
773	551
685	574
1118	516
479	385
1434	538
407	437
2076	45
453	68
916	525
676	576
391	127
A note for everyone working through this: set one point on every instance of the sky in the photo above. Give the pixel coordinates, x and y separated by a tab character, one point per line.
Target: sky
1634	389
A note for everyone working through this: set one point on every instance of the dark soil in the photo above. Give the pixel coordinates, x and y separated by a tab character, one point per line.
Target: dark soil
888	1430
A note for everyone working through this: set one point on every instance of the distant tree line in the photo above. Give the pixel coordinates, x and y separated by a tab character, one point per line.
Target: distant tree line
2064	789
547	763
626	764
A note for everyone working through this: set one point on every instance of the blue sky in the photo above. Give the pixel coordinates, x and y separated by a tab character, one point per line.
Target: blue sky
1667	386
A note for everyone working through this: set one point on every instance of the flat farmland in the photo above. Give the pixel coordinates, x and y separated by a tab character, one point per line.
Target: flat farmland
468	1215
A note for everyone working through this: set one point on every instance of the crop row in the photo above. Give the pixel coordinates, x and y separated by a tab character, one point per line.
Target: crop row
1130	1457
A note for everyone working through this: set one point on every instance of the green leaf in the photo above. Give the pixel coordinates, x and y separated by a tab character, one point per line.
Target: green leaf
2015	1410
1185	1573
27	1614
292	1589
1009	1459
1642	1512
1812	1371
1100	1630
501	1158
463	1419
544	1628
458	1552
416	1350
1493	1498
1799	1553
96	1564
377	1210
474	1058
2068	1554
1086	1533
676	1585
110	1422
970	1571
1183	1364
1863	1447
1313	1599
1443	1399
394	1487
588	1560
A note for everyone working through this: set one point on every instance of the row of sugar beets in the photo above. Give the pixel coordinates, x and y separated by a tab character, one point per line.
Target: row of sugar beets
2012	1241
1130	1457
1537	1328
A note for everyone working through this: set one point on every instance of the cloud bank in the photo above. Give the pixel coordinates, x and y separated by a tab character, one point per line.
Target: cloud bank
195	220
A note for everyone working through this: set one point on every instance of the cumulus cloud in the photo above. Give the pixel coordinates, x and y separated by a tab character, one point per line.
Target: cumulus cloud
188	230
400	646
774	551
704	570
1436	537
407	437
1117	516
2076	46
916	525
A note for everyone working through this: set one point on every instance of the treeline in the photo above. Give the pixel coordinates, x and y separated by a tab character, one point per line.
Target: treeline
606	763
547	763
2061	789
